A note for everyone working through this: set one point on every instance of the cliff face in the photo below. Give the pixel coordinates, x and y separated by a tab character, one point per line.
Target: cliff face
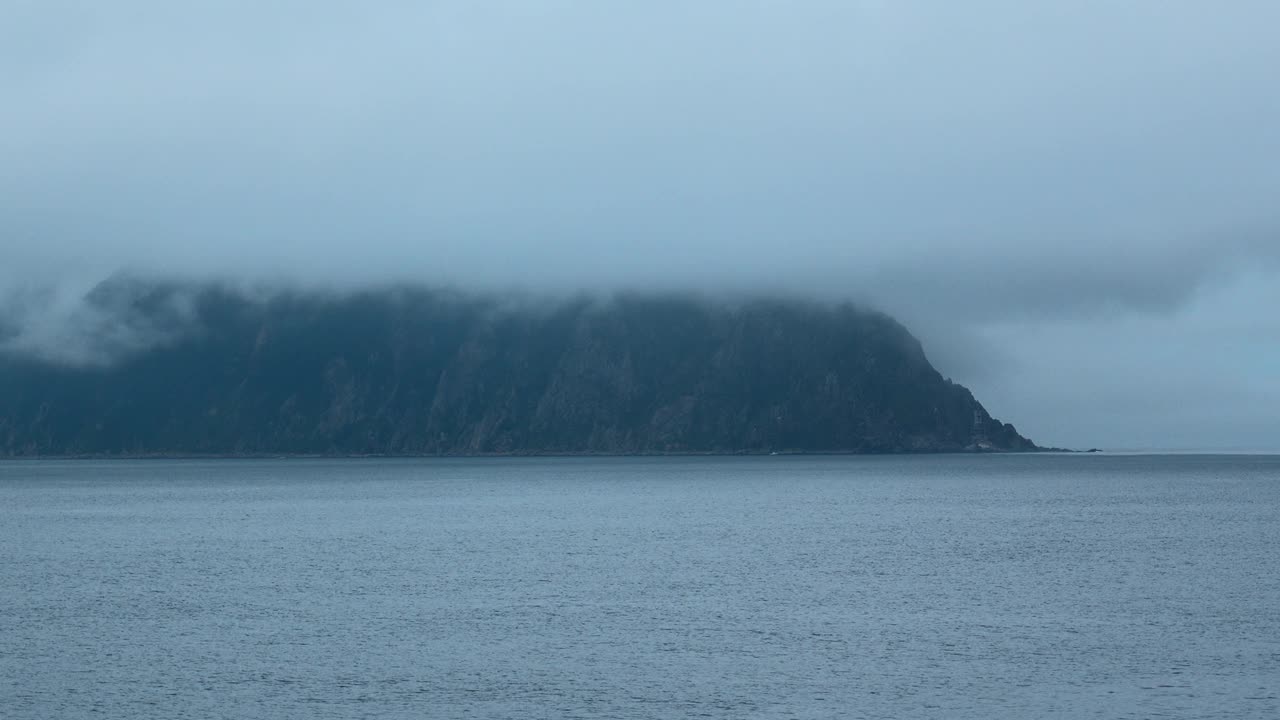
419	372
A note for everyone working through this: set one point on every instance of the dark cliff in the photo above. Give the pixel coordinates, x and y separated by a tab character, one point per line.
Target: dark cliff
421	372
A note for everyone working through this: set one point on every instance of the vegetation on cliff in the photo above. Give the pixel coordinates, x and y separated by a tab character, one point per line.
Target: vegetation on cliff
413	371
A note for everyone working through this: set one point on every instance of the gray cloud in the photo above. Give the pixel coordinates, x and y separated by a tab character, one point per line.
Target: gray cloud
983	169
70	324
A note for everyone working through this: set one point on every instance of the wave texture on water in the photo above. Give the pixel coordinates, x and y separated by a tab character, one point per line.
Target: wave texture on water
815	587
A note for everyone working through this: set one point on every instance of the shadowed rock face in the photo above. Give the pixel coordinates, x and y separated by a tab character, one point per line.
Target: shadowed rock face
409	371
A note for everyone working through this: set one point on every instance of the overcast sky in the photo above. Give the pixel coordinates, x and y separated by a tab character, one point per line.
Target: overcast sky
1075	205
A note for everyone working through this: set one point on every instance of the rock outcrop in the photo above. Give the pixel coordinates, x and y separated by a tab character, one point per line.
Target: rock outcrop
409	371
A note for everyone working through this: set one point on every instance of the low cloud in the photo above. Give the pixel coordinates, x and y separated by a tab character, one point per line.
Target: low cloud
70	324
972	168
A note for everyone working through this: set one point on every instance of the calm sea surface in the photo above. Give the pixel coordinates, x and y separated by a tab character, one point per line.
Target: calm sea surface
771	587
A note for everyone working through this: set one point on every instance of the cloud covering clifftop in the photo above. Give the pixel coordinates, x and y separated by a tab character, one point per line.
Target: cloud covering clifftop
1016	181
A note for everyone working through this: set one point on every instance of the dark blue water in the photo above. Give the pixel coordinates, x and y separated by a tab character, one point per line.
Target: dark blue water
947	587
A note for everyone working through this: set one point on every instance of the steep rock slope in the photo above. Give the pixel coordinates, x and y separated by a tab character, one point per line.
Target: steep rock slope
410	371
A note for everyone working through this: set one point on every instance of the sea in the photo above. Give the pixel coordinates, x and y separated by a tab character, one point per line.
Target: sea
943	586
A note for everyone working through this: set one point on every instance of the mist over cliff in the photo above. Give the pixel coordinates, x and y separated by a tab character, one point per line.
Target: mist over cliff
173	369
1072	205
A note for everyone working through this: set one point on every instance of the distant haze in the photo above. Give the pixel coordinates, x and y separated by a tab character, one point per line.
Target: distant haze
1076	206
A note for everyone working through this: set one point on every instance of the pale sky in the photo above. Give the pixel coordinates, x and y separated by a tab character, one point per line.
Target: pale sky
1074	205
